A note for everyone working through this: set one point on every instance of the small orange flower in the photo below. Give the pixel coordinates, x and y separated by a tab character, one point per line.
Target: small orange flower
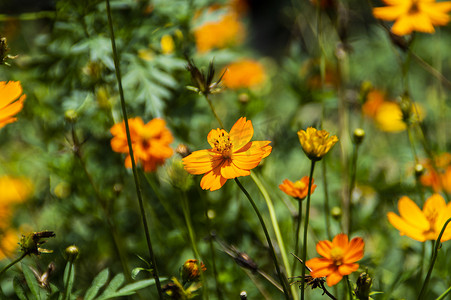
338	258
243	74
220	34
414	15
422	225
298	189
9	107
374	100
316	143
439	178
191	271
232	155
9	240
150	142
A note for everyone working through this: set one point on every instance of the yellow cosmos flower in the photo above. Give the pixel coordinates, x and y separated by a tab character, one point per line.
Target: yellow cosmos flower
9	107
232	155
414	15
338	258
389	116
422	225
298	189
243	74
316	143
167	44
220	34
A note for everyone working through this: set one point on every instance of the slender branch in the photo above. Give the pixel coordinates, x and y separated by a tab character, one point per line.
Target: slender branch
442	296
306	220
135	172
434	257
12	263
327	292
268	239
214	111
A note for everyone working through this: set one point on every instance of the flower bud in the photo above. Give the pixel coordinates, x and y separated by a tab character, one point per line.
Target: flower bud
419	170
191	270
359	135
363	286
243	295
71	253
336	213
71	115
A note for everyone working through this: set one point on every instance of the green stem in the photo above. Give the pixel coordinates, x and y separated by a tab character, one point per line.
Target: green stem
275	224
12	263
268	239
351	296
434	257
298	229
192	239
326	202
135	172
67	290
213	111
442	296
351	187
306	220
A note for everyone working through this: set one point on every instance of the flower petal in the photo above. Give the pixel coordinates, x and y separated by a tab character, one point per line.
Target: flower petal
213	180
406	228
347	269
412	214
341	240
317	263
333	278
354	251
241	133
249	156
9	92
202	161
389	13
323	248
229	170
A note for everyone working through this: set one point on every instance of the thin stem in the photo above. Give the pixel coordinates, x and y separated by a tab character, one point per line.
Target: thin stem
214	111
67	290
192	238
351	187
135	172
326	291
326	202
268	239
298	228
349	288
412	144
275	224
12	263
306	220
434	257
442	296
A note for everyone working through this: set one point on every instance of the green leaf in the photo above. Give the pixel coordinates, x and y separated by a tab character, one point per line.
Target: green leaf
18	288
114	285
129	289
136	271
31	281
98	282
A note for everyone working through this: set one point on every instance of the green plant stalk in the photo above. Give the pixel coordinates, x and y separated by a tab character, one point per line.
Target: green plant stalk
296	238
275	224
12	263
326	202
192	239
268	239
306	220
351	187
442	296
351	296
67	290
135	172
214	111
434	257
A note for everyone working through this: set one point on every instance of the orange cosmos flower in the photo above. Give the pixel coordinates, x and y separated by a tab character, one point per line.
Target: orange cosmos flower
298	189
414	15
338	258
316	143
243	74
221	34
440	178
422	225
9	107
150	142
232	155
374	100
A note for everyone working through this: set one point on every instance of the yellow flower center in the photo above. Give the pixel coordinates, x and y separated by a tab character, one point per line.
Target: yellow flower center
431	215
336	254
300	185
223	145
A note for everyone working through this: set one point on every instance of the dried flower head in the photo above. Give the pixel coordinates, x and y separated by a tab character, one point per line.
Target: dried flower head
316	143
203	83
30	243
191	270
